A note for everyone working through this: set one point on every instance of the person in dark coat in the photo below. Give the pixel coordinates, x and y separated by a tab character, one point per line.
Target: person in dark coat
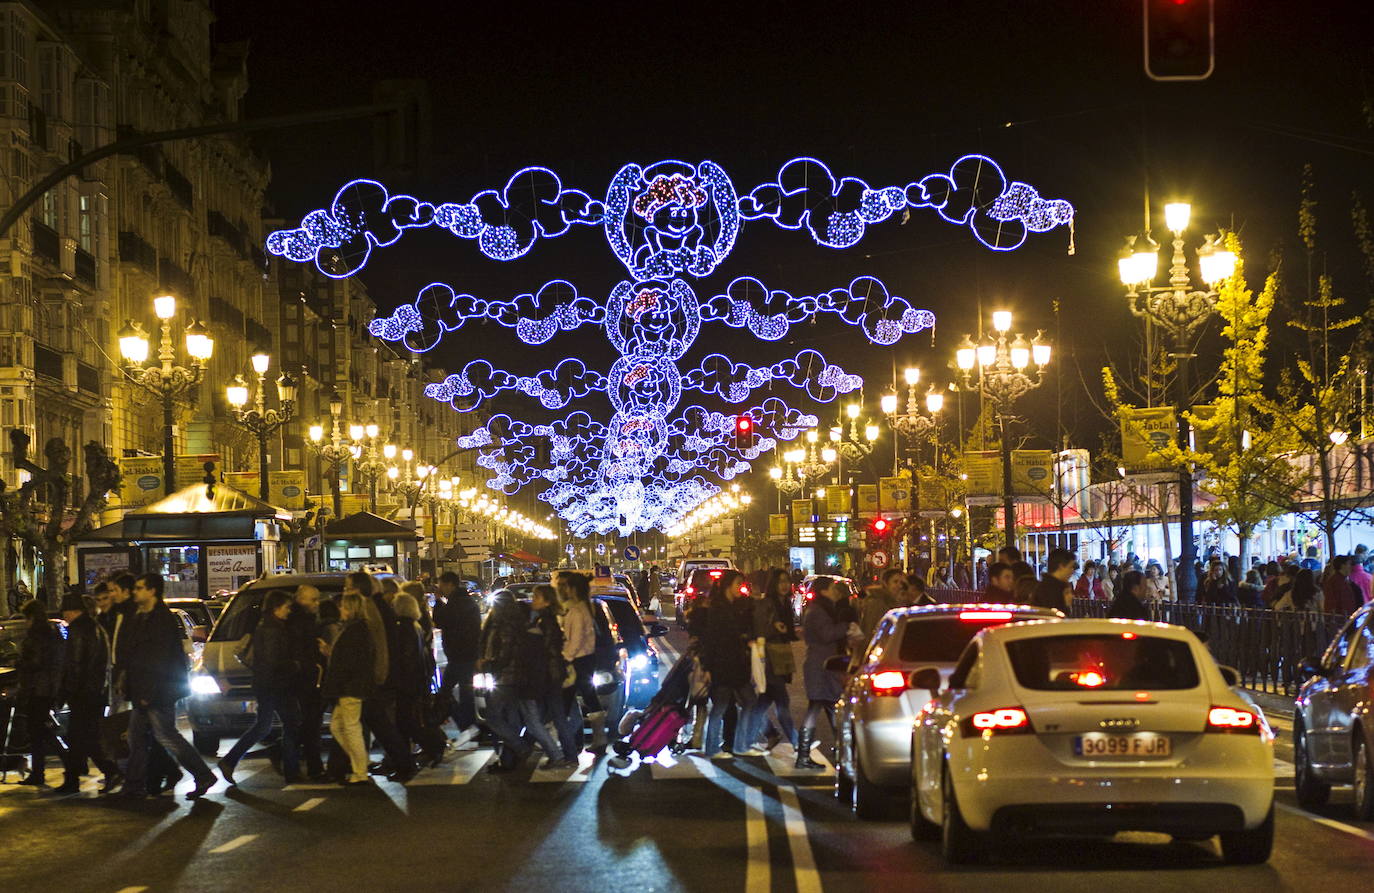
504	659
85	689
548	693
774	622
459	618
276	674
155	679
379	710
40	687
414	674
1217	587
303	629
1129	600
825	629
723	630
348	680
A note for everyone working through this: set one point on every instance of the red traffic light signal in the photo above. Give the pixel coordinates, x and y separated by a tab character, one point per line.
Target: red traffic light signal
744	432
881	527
744	424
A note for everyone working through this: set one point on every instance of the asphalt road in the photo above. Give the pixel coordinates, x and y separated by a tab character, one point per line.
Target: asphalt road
742	825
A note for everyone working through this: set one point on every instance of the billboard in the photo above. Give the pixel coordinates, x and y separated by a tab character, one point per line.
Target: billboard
1032	475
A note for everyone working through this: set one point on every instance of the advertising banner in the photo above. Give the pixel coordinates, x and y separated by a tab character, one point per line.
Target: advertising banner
1202	439
934	501
191	469
140	481
868	499
894	494
1143	433
837	500
984	470
777	527
1032	475
230	567
802	510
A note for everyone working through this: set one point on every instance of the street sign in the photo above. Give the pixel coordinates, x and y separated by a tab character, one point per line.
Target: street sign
878	558
632	553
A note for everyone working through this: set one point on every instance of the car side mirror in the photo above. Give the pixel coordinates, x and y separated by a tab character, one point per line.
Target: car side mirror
1310	666
927	678
837	664
1231	675
658	629
199	634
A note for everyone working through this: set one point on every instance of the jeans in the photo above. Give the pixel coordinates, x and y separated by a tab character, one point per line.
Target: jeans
459	675
507	712
283	706
157	723
308	735
569	729
722	697
83	739
774	696
346	727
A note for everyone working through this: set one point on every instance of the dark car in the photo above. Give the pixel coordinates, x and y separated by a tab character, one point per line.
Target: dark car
1333	723
698	587
637	656
200	614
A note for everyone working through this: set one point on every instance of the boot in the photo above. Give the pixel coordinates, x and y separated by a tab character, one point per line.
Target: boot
804	760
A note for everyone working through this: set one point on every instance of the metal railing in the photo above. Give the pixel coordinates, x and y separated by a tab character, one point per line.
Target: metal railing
1265	647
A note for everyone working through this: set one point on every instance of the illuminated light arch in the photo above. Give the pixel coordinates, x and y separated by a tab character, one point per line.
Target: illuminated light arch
669	222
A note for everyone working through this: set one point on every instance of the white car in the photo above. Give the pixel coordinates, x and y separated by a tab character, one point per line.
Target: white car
1090	727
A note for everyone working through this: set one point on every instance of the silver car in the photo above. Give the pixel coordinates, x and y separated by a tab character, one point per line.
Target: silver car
874	716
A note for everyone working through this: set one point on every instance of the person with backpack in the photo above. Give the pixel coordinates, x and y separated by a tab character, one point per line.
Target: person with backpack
276	673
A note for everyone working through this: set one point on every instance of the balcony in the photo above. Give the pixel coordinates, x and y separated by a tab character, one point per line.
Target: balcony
85	267
180	186
175	279
47	245
133	249
219	225
225	313
47	362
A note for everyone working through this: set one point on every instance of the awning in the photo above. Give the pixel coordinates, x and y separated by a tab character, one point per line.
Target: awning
523	557
190	515
367	526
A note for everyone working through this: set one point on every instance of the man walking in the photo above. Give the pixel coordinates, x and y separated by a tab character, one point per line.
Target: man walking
1053	590
85	688
1001	584
457	616
893	593
303	630
155	679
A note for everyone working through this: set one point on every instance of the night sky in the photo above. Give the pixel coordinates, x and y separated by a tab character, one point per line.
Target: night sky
1053	91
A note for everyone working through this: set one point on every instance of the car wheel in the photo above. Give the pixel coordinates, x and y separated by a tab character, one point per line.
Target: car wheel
959	844
1311	792
205	742
1249	847
1364	780
871	801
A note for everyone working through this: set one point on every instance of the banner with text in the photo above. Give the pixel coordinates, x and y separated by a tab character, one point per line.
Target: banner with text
868	499
932	497
802	509
140	481
837	500
1143	433
191	469
777	526
894	494
1032	475
984	470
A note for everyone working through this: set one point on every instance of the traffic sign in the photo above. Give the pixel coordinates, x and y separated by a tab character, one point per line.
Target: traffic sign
878	558
632	553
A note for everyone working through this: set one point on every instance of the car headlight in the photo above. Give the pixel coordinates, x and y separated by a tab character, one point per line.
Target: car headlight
601	677
484	681
639	661
204	685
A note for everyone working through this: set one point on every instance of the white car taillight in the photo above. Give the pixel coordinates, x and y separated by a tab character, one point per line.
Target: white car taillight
1002	721
887	682
1231	719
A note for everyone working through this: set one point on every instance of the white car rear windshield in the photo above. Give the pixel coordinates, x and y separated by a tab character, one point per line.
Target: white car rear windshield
942	639
1103	662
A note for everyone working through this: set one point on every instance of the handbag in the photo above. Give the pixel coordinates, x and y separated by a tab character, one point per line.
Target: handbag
781	660
114	735
700	682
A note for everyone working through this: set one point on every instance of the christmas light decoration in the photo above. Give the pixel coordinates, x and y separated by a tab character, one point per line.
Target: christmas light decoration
650	464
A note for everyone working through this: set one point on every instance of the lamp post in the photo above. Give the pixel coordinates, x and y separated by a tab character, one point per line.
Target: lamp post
913	427
1180	311
260	421
817	460
366	461
166	380
1002	377
333	452
849	444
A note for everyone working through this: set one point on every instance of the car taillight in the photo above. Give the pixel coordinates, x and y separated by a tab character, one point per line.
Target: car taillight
978	616
1230	719
715	575
887	682
1002	721
687	590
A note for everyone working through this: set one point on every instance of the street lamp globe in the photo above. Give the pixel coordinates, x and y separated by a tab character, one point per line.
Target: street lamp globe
286	388
966	354
912	374
871	432
1020	353
133	343
1176	216
836	434
237	392
1339	437
356	432
828	455
775	473
407	454
393	472
389	451
316	433
1001	320
372	430
852	410
165	306
935	401
261	360
888	403
987	353
812	436
1040	352
199	344
1216	262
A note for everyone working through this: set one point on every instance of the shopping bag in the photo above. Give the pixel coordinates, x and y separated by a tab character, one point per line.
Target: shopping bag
781	661
757	665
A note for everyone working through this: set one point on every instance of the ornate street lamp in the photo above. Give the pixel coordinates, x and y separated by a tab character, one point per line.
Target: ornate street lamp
913	427
166	380
818	460
849	444
367	460
1007	367
260	421
1180	310
334	452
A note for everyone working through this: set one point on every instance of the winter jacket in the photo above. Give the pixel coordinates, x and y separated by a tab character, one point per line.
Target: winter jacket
579	631
770	610
351	670
413	668
824	627
86	662
723	632
1216	592
153	660
1340	596
871	610
1049	593
40	663
504	636
541	668
391	626
303	632
1128	606
1089	588
275	668
460	620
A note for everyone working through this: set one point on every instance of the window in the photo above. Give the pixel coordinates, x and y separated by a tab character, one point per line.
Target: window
940	639
1335	656
48	210
86	224
962	671
1103	662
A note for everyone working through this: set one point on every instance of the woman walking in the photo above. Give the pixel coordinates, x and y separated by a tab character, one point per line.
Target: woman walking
414	676
349	679
40	684
724	634
775	627
825	628
579	649
275	673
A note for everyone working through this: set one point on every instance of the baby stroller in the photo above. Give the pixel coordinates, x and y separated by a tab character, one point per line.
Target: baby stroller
658	725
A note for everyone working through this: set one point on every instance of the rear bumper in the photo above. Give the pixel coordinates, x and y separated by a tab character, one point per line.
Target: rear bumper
1109	818
885	750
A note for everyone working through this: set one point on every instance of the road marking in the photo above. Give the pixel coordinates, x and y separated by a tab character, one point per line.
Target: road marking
461	771
234	844
1330	823
586	761
672	652
131	890
757	871
309	804
787	768
803	861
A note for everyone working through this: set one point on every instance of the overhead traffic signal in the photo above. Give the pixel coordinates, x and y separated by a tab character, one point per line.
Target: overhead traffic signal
881	527
744	432
1179	39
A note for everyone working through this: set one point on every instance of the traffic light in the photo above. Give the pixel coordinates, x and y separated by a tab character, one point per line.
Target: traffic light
744	432
1179	44
881	527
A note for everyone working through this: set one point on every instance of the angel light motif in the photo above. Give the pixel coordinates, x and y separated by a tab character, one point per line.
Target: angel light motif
669	223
